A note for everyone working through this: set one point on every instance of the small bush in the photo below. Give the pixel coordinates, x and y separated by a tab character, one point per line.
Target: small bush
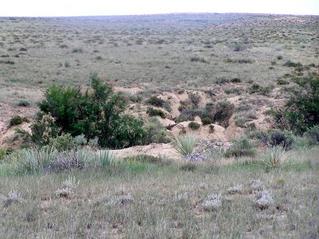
185	144
302	110
290	63
206	120
241	148
222	112
155	132
194	125
62	142
17	120
96	113
23	103
312	135
3	153
155	101
155	112
274	157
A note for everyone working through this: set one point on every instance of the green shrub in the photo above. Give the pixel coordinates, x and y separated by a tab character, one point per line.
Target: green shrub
62	142
155	112
23	103
312	135
221	112
194	125
302	110
98	112
185	144
158	102
17	120
290	63
3	153
280	138
241	148
206	120
44	129
155	132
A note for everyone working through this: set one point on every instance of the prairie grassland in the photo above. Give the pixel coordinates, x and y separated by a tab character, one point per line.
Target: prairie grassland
140	199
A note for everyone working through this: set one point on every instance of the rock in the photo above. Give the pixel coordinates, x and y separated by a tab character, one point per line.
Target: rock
256	185
238	189
264	200
212	202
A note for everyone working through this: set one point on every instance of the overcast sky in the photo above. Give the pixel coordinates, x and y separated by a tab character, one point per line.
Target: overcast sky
125	7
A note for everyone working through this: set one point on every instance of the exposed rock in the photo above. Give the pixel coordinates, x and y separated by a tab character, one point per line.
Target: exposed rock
238	189
212	202
264	200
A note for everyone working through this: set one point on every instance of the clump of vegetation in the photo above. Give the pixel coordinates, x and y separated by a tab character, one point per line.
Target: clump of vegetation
276	138
17	120
24	103
3	153
98	112
206	120
155	112
290	63
302	110
194	125
185	144
274	157
220	112
241	148
156	133
312	135
62	142
158	102
256	88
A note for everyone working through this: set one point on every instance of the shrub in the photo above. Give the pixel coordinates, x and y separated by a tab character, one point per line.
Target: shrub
23	103
62	142
3	153
98	112
274	157
44	129
256	88
155	101
302	110
312	135
290	63
206	120
155	112
241	148
281	138
194	125
276	138
17	120
185	144
222	112
155	132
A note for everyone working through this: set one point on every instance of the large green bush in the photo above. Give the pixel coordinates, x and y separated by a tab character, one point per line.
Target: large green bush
96	112
302	110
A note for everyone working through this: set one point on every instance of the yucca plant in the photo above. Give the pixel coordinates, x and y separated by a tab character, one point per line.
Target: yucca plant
104	158
275	157
185	144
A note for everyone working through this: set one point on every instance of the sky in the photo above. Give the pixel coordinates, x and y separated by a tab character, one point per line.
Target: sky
133	7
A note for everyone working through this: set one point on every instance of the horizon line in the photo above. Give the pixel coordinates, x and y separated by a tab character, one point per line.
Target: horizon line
158	14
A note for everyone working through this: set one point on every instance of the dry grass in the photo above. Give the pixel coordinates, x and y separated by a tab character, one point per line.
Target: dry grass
150	200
